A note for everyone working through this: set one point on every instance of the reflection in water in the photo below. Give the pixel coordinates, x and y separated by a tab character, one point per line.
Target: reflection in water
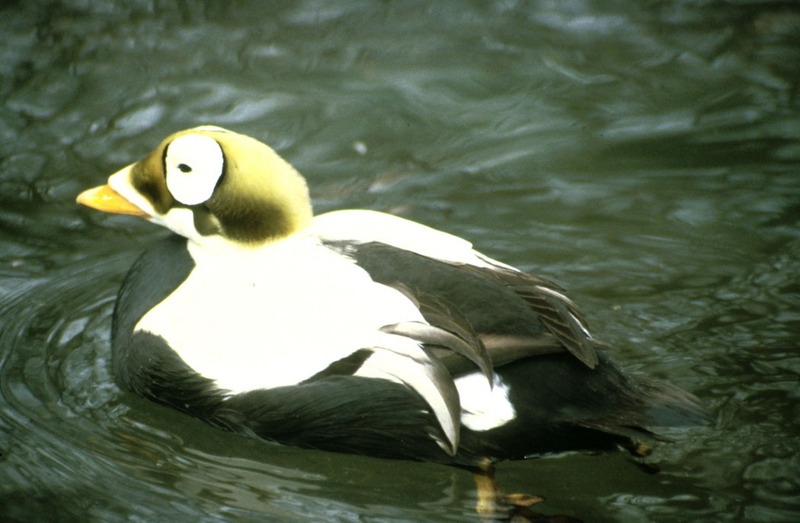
643	155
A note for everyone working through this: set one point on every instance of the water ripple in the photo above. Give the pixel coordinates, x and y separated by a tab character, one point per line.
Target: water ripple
643	155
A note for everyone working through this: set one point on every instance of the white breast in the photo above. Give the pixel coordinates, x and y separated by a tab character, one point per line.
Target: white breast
275	316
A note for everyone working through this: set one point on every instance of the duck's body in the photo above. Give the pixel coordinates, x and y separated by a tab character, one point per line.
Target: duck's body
354	331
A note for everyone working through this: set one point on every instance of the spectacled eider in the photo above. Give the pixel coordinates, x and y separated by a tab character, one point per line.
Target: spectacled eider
353	331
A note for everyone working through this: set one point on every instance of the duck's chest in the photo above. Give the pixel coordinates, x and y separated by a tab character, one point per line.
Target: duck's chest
272	318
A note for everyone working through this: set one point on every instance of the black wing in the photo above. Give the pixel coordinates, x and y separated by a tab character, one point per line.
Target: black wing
497	314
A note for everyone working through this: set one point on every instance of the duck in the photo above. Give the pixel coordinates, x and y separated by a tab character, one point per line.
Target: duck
355	331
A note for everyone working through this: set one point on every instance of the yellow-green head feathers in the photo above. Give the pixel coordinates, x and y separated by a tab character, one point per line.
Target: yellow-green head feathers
209	182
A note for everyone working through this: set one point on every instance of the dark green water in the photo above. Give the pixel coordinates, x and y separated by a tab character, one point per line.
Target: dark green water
646	155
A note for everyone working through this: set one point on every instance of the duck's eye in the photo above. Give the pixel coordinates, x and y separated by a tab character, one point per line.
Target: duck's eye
193	165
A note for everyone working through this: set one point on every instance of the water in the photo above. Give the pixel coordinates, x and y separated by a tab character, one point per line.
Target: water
645	155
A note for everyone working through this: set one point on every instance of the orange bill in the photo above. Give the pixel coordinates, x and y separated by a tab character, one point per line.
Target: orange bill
104	198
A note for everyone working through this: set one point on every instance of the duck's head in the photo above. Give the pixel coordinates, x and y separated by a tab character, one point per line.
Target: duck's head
209	185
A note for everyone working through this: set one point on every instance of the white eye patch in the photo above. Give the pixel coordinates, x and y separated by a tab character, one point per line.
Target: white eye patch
193	166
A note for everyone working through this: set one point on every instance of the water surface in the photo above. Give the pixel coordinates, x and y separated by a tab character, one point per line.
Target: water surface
645	155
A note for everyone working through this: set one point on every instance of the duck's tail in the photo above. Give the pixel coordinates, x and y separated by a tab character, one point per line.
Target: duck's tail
657	405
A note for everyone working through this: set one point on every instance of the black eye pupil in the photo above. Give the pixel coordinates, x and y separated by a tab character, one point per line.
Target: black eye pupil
184	168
